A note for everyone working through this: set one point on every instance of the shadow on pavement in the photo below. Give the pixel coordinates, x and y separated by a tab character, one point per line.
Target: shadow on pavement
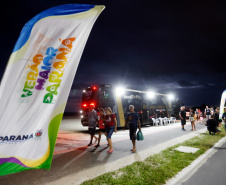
60	168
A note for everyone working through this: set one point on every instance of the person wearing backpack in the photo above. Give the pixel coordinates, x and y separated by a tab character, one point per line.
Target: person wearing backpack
133	120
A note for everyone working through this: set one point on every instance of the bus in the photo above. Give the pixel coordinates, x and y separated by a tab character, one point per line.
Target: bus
147	105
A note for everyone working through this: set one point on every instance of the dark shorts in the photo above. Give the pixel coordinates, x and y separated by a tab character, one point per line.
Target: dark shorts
110	131
102	130
132	132
183	122
92	131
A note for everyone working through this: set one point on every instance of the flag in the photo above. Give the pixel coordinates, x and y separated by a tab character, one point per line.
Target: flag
36	84
222	104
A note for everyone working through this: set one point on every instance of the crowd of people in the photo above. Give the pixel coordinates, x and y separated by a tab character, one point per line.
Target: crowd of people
213	123
107	123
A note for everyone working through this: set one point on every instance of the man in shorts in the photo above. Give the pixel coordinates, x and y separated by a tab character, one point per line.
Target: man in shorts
208	112
133	119
182	115
93	121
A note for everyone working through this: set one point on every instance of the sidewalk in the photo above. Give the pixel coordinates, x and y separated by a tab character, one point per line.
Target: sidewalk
212	171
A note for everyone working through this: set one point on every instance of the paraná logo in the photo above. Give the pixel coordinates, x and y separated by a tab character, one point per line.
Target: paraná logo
38	133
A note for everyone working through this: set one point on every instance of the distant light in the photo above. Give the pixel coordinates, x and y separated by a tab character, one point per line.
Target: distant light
151	94
120	91
84	105
82	116
84	91
81	111
170	96
94	88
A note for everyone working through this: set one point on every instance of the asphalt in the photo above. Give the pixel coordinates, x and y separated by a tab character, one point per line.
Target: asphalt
212	172
72	155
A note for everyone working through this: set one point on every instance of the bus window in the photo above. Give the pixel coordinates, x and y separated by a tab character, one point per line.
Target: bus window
106	96
88	95
134	100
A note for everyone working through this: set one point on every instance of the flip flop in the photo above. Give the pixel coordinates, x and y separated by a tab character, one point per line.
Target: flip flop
110	151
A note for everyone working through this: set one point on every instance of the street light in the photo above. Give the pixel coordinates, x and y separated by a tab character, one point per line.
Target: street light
119	91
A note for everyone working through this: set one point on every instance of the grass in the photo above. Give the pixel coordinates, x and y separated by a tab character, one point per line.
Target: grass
159	168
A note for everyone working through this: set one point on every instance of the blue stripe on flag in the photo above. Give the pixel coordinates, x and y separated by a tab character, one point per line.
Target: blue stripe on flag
58	10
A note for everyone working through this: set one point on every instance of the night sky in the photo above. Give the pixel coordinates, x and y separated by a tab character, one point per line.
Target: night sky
166	46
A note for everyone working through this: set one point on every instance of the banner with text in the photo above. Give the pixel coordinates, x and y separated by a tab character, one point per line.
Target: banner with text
36	84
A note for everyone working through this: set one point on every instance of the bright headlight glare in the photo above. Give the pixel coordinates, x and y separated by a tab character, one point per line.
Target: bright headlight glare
171	97
151	94
119	90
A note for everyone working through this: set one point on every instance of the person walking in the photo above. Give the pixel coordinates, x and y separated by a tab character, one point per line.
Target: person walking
133	120
101	126
200	116
93	121
207	112
192	120
111	126
197	116
182	115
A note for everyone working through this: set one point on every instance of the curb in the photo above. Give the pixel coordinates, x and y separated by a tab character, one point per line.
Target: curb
187	172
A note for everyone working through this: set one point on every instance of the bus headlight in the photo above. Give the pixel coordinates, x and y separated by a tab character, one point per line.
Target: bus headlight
119	91
81	111
170	96
151	94
82	116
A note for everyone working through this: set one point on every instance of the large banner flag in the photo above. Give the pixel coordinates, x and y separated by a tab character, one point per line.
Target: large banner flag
222	104
36	84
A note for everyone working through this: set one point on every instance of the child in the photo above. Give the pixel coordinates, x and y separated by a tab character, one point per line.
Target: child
192	119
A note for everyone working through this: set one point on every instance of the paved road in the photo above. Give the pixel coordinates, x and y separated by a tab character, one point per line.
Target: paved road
72	155
212	172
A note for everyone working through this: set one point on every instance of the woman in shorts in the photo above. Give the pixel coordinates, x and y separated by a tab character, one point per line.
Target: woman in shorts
192	120
197	116
111	126
101	126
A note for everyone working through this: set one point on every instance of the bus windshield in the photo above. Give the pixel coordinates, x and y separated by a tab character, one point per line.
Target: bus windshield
88	95
106	96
